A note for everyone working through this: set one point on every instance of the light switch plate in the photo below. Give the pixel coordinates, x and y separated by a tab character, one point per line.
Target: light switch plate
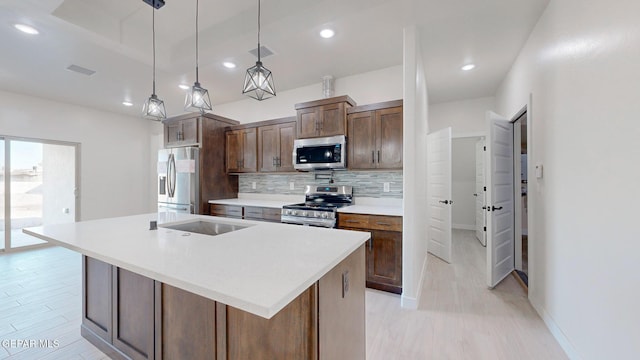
385	187
253	185
539	171
292	186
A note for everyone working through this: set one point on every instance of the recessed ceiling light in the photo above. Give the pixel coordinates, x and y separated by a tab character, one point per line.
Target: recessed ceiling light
127	103
327	33
27	29
229	65
184	87
468	67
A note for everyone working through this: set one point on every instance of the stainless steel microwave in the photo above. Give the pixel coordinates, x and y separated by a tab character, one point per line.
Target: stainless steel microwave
320	153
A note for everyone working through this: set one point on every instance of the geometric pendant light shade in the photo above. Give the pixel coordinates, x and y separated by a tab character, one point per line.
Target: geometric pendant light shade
153	108
258	82
197	98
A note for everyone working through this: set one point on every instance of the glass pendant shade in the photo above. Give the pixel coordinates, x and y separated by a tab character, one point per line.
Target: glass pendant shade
258	82
197	99
154	108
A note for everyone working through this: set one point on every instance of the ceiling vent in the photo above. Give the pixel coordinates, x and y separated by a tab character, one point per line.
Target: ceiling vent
81	70
264	52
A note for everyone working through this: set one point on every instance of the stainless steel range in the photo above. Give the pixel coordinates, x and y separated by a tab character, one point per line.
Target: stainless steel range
320	206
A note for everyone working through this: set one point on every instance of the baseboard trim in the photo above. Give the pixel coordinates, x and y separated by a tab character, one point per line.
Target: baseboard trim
463	227
412	302
558	334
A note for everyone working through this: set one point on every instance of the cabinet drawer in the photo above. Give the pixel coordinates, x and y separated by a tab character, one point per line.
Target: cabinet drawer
226	210
271	214
252	212
353	221
390	223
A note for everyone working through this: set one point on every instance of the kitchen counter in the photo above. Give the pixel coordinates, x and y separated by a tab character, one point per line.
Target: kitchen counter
372	210
276	204
259	269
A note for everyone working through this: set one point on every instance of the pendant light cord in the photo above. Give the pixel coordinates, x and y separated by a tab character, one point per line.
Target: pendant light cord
153	25
258	30
197	7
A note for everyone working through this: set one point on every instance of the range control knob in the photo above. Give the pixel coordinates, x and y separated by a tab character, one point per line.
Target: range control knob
304	213
293	212
325	215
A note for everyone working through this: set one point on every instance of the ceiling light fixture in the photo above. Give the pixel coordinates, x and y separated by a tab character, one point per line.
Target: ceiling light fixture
154	107
327	33
258	82
468	67
27	29
229	65
184	87
198	98
127	103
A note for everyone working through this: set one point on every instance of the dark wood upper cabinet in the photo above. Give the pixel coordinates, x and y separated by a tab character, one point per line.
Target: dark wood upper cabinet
181	132
326	117
275	147
375	136
241	150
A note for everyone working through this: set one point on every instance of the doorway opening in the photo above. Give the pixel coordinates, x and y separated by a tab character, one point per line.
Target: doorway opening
521	205
38	186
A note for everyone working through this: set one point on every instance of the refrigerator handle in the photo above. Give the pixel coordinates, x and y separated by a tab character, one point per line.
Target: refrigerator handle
171	175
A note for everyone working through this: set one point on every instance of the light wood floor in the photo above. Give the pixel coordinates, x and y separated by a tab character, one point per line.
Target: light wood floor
458	317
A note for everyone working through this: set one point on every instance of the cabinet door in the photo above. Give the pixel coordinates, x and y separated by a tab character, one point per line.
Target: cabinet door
233	151
332	120
384	267
268	148
308	125
362	140
286	135
389	138
96	304
133	314
190	131
249	144
172	133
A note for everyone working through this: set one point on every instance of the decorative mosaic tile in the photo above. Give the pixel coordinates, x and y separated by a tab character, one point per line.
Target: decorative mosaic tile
365	183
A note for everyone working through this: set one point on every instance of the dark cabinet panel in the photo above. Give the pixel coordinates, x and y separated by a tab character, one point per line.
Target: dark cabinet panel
362	141
188	325
308	120
275	147
326	117
181	132
286	135
389	138
133	314
332	120
242	150
97	292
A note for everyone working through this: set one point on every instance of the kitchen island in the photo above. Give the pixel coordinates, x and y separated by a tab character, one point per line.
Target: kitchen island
259	291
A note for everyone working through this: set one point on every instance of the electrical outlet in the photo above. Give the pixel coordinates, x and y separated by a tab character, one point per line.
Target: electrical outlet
345	283
292	186
65	210
253	185
385	187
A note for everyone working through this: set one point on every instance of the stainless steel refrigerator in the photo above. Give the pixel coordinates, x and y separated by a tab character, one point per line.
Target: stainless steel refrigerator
178	180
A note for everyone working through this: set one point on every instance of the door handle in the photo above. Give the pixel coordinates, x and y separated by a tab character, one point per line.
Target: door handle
475	194
493	208
378	156
373	156
446	202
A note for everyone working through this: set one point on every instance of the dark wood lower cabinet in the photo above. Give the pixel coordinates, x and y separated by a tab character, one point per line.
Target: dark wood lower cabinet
133	314
151	320
384	261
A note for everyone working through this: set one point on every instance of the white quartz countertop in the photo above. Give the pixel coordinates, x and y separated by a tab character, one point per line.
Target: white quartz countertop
258	269
252	202
372	210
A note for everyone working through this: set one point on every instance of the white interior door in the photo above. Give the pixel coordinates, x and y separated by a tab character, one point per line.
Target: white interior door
439	193
480	194
500	211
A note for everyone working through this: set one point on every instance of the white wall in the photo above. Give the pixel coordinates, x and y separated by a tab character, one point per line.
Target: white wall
115	150
463	182
58	182
414	226
366	88
464	117
581	65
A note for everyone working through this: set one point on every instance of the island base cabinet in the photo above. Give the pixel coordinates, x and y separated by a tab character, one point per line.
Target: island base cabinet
152	320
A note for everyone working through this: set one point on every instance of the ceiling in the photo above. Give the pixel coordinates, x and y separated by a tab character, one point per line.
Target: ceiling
113	37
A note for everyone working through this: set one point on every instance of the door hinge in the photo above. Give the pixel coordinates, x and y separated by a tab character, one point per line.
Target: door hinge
485	228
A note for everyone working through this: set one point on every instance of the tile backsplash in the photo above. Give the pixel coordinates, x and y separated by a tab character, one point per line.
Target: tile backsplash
365	183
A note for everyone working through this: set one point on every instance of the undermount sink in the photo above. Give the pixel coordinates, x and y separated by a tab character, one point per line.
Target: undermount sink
205	227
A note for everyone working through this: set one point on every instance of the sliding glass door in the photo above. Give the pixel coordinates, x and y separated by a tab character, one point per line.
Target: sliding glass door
40	187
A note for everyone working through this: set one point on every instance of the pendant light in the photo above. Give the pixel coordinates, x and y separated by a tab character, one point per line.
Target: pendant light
154	107
258	82
197	98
